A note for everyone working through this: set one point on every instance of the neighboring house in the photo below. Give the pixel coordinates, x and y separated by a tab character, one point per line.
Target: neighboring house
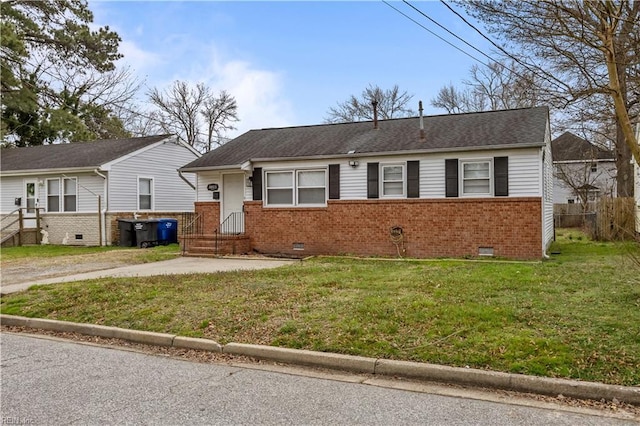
65	183
636	171
466	185
583	172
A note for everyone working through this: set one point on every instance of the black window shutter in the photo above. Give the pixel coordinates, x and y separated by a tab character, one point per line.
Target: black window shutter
451	177
256	183
372	180
413	179
501	176
334	181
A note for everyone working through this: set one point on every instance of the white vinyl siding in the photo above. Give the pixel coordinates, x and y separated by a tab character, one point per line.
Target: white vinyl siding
524	172
88	187
160	162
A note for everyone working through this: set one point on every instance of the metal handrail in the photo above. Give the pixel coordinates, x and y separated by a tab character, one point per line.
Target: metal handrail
191	225
233	224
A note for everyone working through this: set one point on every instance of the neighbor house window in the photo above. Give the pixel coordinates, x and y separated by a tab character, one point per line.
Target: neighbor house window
70	198
53	195
145	193
296	187
476	178
393	180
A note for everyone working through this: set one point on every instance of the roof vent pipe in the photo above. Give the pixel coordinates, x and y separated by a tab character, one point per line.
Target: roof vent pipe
421	120
375	113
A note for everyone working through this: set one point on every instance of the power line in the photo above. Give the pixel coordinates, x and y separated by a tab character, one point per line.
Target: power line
447	30
434	34
526	66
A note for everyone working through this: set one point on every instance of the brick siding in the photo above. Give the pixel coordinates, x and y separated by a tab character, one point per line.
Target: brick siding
512	227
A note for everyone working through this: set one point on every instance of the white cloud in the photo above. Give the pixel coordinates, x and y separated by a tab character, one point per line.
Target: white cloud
140	61
258	92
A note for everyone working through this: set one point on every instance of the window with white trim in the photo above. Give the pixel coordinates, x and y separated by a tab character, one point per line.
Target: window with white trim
312	187
53	195
70	194
145	193
476	177
392	180
296	188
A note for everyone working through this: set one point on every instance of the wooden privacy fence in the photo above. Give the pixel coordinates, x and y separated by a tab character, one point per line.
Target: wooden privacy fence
615	219
608	219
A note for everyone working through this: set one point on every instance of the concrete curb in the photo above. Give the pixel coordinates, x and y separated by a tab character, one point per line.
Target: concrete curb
356	364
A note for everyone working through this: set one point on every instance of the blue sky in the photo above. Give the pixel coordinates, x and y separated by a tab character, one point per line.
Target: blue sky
287	63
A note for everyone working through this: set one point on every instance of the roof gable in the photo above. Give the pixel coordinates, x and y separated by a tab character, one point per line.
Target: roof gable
508	128
569	147
72	155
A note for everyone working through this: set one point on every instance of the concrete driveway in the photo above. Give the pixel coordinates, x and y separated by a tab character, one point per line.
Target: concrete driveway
179	265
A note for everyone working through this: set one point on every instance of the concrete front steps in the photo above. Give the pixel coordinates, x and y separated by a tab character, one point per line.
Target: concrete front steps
205	245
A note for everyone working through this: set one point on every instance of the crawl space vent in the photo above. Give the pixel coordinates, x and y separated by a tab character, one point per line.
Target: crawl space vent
298	246
485	251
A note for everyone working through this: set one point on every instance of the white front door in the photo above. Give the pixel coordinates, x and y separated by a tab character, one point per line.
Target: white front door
232	219
30	202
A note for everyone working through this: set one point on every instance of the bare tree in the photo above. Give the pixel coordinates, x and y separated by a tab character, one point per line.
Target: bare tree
583	49
490	88
218	114
391	104
181	110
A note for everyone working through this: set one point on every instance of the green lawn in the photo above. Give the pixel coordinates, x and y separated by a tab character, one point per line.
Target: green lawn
576	315
51	250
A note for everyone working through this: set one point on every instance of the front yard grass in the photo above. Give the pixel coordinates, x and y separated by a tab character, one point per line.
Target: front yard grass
51	251
576	315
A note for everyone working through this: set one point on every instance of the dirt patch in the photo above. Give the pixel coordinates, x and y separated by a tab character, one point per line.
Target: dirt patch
23	270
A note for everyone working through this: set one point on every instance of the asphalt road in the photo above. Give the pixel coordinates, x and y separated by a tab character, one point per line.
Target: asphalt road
57	382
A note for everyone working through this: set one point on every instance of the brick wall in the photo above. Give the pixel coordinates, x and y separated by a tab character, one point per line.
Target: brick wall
512	227
209	211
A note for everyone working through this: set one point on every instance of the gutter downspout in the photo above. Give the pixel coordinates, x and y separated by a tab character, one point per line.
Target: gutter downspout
103	211
185	179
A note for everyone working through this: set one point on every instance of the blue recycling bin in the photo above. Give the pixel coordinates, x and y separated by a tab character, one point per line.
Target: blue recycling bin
167	231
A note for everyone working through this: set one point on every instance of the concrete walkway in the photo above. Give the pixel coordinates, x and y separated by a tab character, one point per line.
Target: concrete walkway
179	265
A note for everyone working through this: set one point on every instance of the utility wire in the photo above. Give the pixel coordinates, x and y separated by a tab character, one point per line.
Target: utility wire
431	32
558	83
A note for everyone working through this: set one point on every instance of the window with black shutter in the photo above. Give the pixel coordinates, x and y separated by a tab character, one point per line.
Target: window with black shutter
413	179
451	177
372	180
501	176
334	181
256	184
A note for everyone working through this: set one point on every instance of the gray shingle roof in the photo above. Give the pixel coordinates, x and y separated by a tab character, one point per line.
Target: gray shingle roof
519	127
569	147
72	155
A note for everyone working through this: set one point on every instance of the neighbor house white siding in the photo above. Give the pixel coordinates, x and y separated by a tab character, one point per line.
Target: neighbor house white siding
159	163
548	233
89	186
11	187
